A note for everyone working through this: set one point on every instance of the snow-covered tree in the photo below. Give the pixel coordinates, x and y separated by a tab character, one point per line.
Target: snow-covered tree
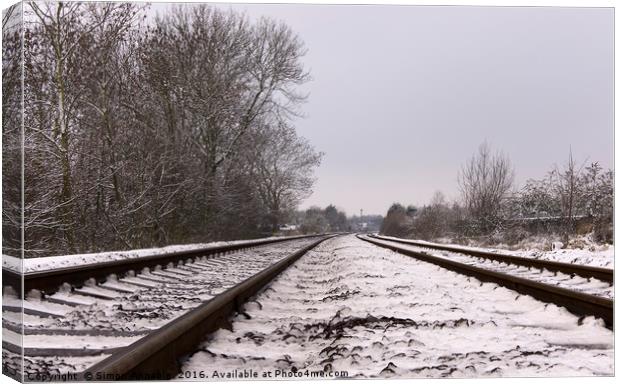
485	181
137	132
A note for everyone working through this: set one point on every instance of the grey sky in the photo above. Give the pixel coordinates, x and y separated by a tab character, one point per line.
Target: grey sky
401	96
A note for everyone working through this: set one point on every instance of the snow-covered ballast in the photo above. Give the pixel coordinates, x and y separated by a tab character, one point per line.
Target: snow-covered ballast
157	355
603	274
578	303
50	279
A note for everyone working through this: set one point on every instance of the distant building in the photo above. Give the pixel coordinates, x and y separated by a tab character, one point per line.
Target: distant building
288	227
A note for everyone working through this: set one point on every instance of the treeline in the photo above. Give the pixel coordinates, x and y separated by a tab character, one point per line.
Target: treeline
331	219
575	197
140	133
318	220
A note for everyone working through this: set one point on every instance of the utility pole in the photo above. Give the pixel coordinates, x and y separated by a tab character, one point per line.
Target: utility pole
361	224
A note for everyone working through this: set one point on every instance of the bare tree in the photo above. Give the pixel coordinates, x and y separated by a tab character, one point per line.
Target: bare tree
143	136
216	77
59	60
569	193
537	198
283	166
485	181
12	115
598	196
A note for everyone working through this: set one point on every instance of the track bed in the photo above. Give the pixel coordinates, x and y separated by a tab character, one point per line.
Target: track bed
79	326
349	308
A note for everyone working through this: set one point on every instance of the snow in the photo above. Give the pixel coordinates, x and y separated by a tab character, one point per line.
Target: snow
595	256
98	292
73	299
65	341
16	319
139	282
53	262
590	286
55	365
352	307
134	313
37	305
12	263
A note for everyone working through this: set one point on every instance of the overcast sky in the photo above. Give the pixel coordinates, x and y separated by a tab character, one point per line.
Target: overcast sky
401	96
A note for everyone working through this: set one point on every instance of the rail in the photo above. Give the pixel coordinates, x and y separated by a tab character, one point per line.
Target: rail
576	302
156	356
48	281
603	274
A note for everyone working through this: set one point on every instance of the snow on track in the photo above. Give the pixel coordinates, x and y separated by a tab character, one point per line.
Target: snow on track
90	317
589	286
350	306
599	256
53	262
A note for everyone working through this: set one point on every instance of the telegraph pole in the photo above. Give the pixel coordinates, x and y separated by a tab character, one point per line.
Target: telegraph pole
361	224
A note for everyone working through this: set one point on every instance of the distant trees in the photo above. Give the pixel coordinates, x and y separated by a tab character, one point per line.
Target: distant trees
314	221
567	198
485	181
433	220
330	219
336	219
570	192
537	198
146	134
398	220
438	219
598	195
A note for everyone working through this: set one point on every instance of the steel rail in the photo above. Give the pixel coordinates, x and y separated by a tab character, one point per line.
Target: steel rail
576	302
603	274
48	281
156	356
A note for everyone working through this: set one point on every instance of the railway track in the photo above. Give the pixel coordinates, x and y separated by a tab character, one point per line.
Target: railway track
49	281
334	307
582	296
132	318
602	274
351	309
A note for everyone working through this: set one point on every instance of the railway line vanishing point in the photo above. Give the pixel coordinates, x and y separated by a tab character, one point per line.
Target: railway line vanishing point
306	307
351	306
